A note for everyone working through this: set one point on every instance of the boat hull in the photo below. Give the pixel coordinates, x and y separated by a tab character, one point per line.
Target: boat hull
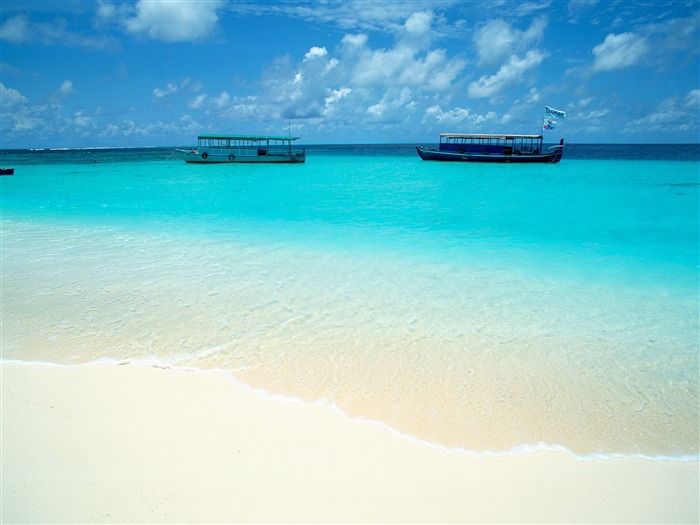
7	171
194	157
544	158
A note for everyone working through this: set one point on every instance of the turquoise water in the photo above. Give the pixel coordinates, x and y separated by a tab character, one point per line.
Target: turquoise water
486	308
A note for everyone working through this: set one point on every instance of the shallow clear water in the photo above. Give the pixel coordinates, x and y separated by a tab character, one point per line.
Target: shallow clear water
472	306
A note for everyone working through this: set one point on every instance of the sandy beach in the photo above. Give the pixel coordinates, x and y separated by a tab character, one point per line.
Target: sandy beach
106	443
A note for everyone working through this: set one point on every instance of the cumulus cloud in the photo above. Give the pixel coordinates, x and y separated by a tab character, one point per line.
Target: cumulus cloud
460	118
334	96
619	51
394	106
169	21
510	73
163	92
10	97
419	23
417	30
355	82
315	52
400	66
184	127
82	120
303	90
497	40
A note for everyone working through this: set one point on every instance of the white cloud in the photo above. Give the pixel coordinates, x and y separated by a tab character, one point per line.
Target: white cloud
315	52
355	41
417	30
582	103
356	83
10	97
169	89
197	102
184	127
334	97
106	12
510	73
222	100
191	85
66	89
533	96
395	106
692	100
350	15
527	8
21	30
402	66
677	34
619	51
459	118
497	41
674	114
419	23
34	120
170	21
662	117
15	30
82	120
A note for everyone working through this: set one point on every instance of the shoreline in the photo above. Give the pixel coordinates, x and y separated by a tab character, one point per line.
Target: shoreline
105	443
515	451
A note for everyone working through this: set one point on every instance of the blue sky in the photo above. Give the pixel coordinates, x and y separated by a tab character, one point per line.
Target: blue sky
158	73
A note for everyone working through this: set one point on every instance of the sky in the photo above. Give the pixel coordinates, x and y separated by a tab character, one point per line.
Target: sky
103	73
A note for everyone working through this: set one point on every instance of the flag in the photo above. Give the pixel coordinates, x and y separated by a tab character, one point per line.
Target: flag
554	113
549	124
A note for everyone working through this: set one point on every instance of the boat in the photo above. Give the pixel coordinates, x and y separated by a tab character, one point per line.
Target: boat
478	147
7	171
218	149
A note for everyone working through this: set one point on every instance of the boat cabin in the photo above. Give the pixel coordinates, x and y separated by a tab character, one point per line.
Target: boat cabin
245	144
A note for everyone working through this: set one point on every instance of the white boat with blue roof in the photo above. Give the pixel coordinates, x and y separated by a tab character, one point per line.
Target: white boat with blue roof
221	149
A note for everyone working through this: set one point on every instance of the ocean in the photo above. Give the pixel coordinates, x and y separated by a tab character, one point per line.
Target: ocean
488	309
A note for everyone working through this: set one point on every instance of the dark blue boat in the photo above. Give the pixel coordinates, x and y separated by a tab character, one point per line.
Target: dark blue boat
477	147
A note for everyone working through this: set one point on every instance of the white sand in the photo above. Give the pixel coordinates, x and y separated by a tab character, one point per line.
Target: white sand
108	443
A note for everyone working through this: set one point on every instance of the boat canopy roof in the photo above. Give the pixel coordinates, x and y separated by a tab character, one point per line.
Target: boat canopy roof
246	137
502	136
